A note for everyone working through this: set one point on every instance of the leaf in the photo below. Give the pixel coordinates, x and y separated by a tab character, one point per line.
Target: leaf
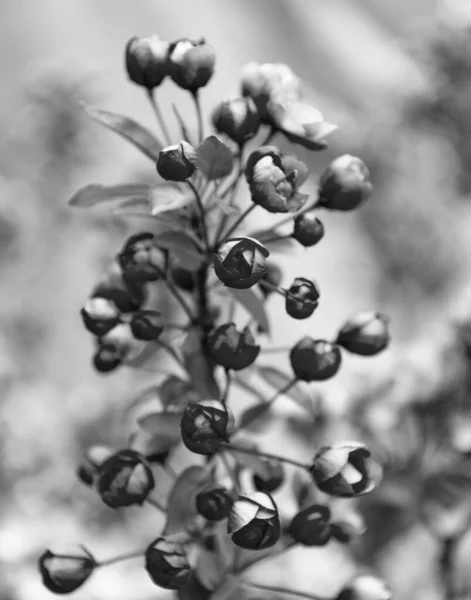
215	159
128	129
209	569
249	419
164	426
241	381
94	194
164	197
196	364
253	305
229	590
131	207
279	380
148	444
181	501
182	247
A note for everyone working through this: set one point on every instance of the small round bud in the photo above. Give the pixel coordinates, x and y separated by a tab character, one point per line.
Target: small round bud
315	360
302	298
311	526
233	349
191	63
147	325
344	185
141	260
146	61
254	523
273	276
345	470
240	262
99	315
124	479
238	119
64	570
108	357
167	564
183	279
367	333
308	229
271	478
177	162
206	426
215	504
348	527
365	587
127	295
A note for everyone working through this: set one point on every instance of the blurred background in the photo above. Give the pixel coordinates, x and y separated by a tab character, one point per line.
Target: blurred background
394	75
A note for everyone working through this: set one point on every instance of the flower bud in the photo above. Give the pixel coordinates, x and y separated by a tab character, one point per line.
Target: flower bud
146	61
254	523
147	325
167	564
315	360
96	455
124	479
64	570
191	63
311	526
215	504
127	295
308	229
302	298
108	357
345	470
366	333
273	276
365	587
348	527
274	179
271	478
206	426
238	119
344	185
177	162
183	279
141	260
232	349
240	262
99	315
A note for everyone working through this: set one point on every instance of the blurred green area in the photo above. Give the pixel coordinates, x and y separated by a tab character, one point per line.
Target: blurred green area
395	76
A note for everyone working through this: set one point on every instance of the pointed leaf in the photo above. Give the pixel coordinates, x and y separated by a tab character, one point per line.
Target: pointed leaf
215	159
94	194
162	425
129	129
164	197
250	418
196	364
253	304
182	248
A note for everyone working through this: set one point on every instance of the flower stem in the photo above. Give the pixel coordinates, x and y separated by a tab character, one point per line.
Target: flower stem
173	290
277	238
271	134
228	385
199	116
235	448
230	472
280	590
236	224
155	105
276	350
447	554
115	559
201	211
269	286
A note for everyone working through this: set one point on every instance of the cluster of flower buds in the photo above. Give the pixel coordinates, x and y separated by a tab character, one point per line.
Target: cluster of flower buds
64	570
206	426
190	64
167	564
254	523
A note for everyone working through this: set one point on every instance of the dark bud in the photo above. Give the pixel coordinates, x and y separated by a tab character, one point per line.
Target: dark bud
273	276
311	526
349	527
124	479
107	357
240	262
254	523
214	505
206	426
100	315
159	458
315	360
308	229
64	570
233	349
146	61
167	564
345	184
183	279
238	119
127	295
177	162
365	587
191	63
147	325
141	260
367	333
86	474
271	478
345	470
302	298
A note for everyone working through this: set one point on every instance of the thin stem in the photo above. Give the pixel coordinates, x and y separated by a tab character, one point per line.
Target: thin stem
236	224
181	123
115	559
230	472
228	385
271	134
276	350
201	211
199	115
281	590
277	238
235	448
173	290
447	556
309	206
271	287
155	105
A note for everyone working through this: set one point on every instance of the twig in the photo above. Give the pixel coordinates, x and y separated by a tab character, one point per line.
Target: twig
155	105
235	448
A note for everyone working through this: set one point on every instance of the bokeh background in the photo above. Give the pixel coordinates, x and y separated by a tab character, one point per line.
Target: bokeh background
396	77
